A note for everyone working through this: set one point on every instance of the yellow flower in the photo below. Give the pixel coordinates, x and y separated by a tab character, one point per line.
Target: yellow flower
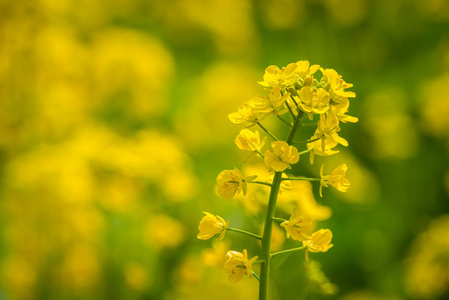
299	227
336	179
282	78
313	101
271	104
340	110
281	156
303	68
320	241
246	113
249	141
231	182
238	265
328	127
321	147
337	84
211	225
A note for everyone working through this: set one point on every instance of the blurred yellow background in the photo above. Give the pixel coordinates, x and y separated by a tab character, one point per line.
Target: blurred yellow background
113	128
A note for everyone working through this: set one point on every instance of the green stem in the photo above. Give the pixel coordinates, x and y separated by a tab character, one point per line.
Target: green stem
306	142
259	261
302	178
288	250
255	275
244	232
308	124
260	153
266	239
280	118
290	110
266	130
261	182
279	219
305	151
268	228
294	101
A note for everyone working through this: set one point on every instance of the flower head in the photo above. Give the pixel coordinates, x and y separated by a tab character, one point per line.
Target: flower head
281	156
211	225
282	78
299	227
231	182
336	179
249	141
238	265
320	241
313	101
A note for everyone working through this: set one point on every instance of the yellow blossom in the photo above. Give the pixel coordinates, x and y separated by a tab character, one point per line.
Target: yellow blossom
316	147
328	127
281	156
303	68
211	225
299	227
282	78
271	104
231	182
336	179
249	141
340	110
313	101
246	113
320	241
238	265
337	84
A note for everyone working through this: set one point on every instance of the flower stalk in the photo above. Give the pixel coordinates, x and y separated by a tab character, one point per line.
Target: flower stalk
294	90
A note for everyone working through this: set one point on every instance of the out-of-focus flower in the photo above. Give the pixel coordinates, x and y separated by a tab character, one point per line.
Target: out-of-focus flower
164	232
249	141
302	198
316	276
211	225
282	78
426	273
231	182
390	125
336	179
320	241
313	101
216	256
238	265
281	156
136	276
299	227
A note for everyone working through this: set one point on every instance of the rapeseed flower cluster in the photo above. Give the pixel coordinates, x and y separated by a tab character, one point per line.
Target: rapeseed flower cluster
297	96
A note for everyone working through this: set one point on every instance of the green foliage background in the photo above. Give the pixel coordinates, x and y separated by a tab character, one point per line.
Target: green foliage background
113	128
